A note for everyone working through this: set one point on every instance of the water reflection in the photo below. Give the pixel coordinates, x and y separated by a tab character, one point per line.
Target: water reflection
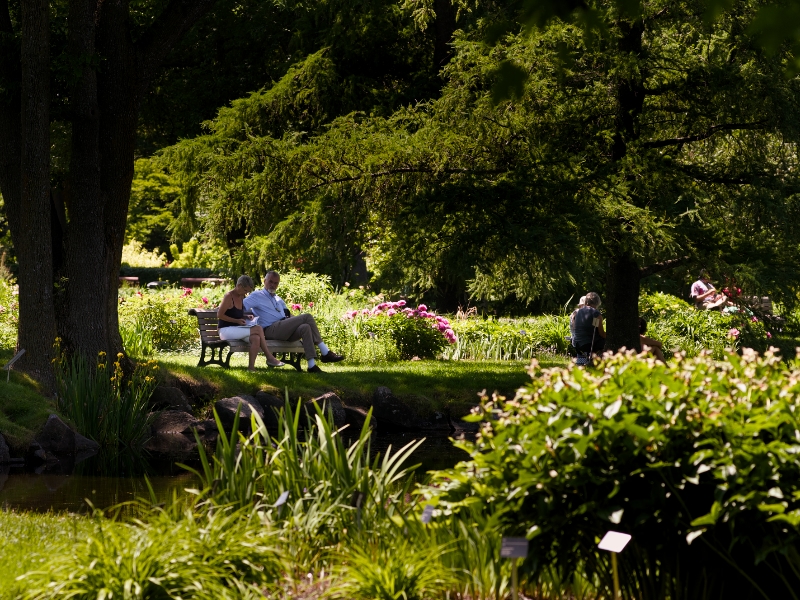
112	478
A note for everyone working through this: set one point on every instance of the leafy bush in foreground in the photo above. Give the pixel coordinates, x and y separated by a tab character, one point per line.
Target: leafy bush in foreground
697	459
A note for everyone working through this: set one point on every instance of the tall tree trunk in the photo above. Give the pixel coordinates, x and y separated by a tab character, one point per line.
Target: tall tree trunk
622	300
623	276
9	119
444	27
85	247
37	326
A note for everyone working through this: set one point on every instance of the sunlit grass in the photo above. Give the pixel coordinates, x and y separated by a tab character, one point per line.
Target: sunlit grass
430	382
29	540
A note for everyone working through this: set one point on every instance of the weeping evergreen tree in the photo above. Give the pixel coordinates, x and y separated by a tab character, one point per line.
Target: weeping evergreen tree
615	148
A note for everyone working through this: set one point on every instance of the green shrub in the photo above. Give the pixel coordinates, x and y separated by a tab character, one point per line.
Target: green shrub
159	319
697	460
305	288
170	275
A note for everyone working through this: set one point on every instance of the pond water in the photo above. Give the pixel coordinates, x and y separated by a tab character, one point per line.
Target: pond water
108	481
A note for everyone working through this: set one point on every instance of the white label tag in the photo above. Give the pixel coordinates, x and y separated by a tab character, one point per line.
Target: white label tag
281	499
596	322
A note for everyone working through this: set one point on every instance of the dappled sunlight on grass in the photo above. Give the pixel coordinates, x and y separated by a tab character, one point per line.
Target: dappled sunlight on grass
442	382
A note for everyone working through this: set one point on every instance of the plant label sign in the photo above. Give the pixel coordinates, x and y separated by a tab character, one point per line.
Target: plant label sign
514	547
614	541
427	514
281	500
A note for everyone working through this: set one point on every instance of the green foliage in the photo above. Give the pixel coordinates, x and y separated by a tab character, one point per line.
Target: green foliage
411	336
23	411
9	313
524	199
305	288
696	459
680	326
159	319
508	339
193	255
206	555
104	405
30	540
391	569
133	255
154	203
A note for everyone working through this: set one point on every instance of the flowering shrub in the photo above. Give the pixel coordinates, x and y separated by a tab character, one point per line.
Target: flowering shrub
9	314
414	331
153	320
696	459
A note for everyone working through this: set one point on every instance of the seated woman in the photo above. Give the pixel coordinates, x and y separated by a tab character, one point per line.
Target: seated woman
705	295
650	345
589	335
233	326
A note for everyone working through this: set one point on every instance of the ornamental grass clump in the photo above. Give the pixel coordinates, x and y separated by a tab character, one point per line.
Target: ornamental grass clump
699	460
101	401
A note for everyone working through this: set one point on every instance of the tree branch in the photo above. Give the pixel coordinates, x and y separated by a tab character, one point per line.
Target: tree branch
169	27
702	136
662	266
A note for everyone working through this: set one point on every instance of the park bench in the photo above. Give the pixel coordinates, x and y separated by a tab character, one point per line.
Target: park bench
192	282
288	352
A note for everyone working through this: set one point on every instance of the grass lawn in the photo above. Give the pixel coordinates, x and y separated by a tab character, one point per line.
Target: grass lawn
427	384
28	540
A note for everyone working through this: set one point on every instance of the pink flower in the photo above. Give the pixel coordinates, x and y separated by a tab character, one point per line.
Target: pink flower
739	291
365	311
204	299
441	327
755	319
382	306
296	306
391	312
422	308
769	335
310	305
733	332
401	303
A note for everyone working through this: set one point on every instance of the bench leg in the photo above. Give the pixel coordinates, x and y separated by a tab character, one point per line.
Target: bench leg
214	359
227	363
292	358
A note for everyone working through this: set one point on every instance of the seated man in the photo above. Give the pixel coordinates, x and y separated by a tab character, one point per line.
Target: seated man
705	295
589	335
279	324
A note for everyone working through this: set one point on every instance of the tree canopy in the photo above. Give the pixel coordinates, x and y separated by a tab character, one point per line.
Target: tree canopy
653	138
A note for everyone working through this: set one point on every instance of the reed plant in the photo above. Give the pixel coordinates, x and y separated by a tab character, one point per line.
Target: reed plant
333	489
101	402
203	555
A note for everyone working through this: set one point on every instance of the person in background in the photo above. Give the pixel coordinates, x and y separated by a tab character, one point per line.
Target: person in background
232	324
279	324
581	304
589	335
650	345
704	294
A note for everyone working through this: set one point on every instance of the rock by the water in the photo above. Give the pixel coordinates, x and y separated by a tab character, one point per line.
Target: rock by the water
5	453
329	402
436	421
56	437
226	409
355	418
270	404
84	447
174	445
170	398
173	421
390	412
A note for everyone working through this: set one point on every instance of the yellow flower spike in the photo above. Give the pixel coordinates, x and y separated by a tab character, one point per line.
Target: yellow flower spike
120	355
